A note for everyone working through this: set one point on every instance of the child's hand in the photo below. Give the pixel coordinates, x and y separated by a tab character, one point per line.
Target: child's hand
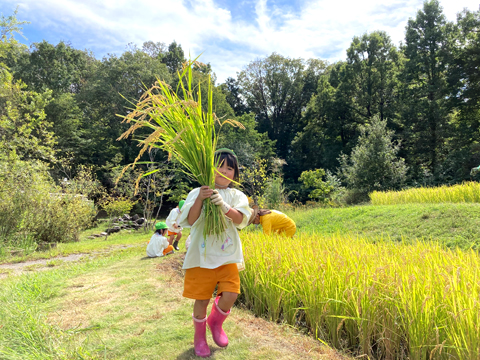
205	193
218	200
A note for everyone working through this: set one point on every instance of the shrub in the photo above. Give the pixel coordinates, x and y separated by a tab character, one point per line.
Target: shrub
33	208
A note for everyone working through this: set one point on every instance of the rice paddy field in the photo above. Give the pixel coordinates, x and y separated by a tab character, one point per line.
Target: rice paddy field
468	192
380	299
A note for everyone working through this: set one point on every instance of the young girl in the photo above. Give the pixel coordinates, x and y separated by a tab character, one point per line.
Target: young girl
174	230
158	244
273	221
214	260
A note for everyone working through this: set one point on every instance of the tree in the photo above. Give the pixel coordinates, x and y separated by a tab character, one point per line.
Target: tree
231	89
462	144
274	88
373	163
425	89
247	143
313	183
371	76
174	57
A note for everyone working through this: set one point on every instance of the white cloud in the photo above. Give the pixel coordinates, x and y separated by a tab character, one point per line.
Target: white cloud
321	28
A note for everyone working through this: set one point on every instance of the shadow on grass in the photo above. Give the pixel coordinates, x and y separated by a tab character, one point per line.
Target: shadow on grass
190	354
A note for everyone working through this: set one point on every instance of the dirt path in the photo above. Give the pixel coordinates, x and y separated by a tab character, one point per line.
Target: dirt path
20	268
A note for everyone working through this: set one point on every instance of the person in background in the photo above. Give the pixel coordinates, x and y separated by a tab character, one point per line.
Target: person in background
273	221
174	230
158	244
214	260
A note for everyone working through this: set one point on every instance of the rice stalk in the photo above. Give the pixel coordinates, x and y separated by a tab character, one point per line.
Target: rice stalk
180	126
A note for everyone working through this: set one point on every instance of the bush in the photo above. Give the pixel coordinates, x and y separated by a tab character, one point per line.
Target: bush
373	163
32	207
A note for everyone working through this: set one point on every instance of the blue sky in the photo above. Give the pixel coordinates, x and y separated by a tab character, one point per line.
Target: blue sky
229	33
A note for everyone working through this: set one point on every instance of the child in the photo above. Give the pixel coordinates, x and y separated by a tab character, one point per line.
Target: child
158	244
173	228
273	221
214	260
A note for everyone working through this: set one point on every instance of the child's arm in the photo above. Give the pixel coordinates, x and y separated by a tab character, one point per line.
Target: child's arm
196	209
235	215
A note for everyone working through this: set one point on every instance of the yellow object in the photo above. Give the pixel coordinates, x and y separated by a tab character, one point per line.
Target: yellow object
279	223
200	283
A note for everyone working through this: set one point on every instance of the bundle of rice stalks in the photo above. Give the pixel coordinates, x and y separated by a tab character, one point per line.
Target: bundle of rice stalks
181	127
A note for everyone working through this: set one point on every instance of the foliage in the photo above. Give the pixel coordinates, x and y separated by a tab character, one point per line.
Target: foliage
34	209
254	179
276	89
116	206
24	128
373	164
318	189
274	194
247	143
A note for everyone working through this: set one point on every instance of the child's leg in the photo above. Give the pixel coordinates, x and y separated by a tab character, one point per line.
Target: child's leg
226	301
200	324
200	308
179	236
170	238
177	239
168	250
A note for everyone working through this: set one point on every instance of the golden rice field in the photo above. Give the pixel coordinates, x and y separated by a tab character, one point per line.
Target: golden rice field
378	299
466	192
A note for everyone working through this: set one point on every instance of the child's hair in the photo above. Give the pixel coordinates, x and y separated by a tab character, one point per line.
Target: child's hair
231	161
160	231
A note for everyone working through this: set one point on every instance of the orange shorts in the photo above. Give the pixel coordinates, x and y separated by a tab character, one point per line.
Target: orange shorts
200	283
171	233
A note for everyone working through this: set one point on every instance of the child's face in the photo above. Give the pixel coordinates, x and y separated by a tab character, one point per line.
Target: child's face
257	219
227	171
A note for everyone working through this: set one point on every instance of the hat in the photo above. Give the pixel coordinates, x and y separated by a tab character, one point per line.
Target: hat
180	204
225	150
161	225
255	211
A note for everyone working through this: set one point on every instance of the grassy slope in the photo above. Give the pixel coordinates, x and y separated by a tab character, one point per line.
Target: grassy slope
450	224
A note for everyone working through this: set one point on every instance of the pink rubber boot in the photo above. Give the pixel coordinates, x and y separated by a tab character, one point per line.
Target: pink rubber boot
215	321
200	338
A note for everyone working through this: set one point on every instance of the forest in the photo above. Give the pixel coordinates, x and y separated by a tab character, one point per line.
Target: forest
387	117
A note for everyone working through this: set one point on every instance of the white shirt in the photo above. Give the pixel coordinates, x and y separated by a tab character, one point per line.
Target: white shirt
157	244
215	251
172	219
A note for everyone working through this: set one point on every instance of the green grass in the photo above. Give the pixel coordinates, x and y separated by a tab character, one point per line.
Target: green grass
123	306
85	245
454	225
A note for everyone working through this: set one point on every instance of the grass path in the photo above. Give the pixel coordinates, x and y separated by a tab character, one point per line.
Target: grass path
130	307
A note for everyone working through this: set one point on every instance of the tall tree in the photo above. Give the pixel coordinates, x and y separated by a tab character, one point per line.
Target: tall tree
371	76
425	89
174	57
463	144
64	71
274	88
232	92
